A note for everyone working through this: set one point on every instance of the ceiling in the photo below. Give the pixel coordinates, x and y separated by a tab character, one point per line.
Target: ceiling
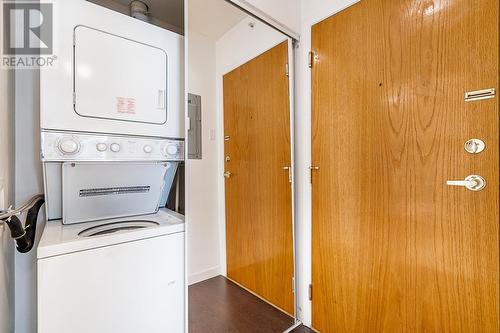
213	18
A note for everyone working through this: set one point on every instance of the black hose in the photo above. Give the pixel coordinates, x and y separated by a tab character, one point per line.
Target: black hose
25	236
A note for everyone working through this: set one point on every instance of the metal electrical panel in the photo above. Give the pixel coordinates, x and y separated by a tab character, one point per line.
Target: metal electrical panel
194	133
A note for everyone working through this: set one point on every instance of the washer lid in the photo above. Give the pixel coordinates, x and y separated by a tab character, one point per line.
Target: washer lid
59	239
116	227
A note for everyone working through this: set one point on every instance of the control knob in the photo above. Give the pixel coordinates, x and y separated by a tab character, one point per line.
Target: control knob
102	147
69	146
172	150
115	147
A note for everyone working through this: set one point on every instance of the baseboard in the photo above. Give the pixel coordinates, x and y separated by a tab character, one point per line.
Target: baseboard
204	275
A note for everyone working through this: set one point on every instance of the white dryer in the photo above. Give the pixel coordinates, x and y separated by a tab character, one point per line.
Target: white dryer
114	74
124	275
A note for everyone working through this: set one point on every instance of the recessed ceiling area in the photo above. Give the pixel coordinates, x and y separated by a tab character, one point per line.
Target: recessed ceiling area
168	14
213	18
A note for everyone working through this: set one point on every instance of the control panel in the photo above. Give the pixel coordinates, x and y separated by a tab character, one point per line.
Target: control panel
69	146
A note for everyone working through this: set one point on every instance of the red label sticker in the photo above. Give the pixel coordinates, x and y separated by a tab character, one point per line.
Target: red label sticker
125	105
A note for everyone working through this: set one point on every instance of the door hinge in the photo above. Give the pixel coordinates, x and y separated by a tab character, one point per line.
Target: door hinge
287	69
293	284
289	169
312	58
310	292
311	169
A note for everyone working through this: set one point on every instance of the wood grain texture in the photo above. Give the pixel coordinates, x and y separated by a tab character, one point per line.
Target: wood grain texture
394	248
258	195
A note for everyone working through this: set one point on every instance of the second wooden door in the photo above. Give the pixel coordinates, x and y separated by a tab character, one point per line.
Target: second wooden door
259	235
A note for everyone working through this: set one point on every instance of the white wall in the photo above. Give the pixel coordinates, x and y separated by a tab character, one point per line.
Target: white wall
28	182
203	235
6	198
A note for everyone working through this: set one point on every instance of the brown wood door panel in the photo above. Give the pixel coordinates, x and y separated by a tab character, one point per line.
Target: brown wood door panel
258	195
394	248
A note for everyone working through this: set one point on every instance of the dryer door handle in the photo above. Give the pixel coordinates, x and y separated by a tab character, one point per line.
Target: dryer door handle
161	99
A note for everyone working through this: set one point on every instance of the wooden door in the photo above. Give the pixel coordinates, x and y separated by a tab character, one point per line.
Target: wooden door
258	192
394	248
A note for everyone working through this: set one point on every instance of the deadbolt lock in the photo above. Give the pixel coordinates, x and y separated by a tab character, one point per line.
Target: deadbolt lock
475	146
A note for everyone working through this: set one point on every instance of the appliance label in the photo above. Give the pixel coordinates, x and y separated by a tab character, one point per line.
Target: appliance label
125	105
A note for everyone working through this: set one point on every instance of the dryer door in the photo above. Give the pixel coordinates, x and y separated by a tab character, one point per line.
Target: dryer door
119	79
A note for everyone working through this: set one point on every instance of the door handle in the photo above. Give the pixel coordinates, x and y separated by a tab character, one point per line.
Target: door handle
472	183
161	99
227	174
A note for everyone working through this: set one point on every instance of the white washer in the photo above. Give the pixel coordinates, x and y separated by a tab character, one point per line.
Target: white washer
123	275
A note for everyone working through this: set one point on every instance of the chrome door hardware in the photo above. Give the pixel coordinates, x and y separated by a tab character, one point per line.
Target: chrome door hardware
480	95
313	57
289	173
227	174
475	146
473	183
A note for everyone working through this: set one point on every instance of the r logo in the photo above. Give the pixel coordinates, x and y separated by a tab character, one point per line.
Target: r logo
28	28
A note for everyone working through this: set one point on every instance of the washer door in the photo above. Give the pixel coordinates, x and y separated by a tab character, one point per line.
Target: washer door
99	191
117	227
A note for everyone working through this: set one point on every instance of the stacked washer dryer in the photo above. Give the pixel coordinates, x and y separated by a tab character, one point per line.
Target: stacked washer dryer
111	258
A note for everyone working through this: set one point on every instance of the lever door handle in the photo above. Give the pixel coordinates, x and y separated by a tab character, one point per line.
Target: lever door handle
472	183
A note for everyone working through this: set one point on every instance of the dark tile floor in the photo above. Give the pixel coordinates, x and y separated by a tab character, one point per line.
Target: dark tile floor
220	306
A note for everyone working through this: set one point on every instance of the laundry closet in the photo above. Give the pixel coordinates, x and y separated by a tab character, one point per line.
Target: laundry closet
112	147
